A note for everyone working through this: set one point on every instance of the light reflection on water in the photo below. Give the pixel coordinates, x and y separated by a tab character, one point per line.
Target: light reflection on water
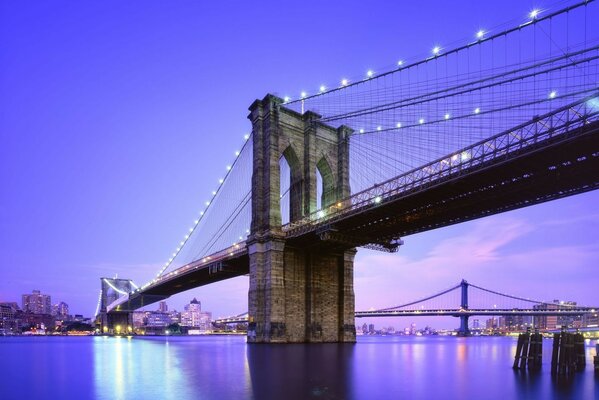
223	367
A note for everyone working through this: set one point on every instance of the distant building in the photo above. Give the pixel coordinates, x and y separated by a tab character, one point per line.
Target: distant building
9	318
551	322
162	307
371	329
61	310
413	328
157	319
37	303
365	328
174	316
138	319
38	321
512	322
491	323
194	317
591	320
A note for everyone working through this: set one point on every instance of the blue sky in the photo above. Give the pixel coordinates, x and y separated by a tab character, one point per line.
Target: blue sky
116	118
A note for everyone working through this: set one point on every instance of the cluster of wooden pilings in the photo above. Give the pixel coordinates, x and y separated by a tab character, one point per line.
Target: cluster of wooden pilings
568	354
529	351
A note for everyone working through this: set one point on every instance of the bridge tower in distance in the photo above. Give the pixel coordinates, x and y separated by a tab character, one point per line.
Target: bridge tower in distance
464	331
114	322
297	293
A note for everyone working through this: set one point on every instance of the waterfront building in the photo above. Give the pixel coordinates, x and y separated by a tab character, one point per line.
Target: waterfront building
551	322
194	317
364	328
174	316
591	320
157	319
38	321
37	303
9	318
138	319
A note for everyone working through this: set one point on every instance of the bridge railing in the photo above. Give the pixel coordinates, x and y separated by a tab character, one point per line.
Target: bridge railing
539	130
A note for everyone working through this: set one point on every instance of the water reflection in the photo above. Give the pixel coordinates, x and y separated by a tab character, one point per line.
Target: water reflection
224	367
301	371
127	368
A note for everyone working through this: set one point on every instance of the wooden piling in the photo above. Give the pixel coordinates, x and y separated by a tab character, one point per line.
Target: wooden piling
535	354
518	351
555	353
580	352
525	345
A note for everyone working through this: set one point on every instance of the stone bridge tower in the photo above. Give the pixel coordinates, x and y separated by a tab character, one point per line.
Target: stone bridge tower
297	293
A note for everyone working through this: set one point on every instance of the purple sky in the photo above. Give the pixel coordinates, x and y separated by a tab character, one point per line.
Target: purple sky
116	118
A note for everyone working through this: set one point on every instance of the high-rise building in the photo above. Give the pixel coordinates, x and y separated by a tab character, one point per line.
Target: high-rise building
193	316
162	307
60	310
37	303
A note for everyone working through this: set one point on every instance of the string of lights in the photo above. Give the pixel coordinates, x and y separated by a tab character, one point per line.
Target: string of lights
481	36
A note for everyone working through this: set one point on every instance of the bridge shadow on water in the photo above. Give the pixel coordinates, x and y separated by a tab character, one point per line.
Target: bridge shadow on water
318	371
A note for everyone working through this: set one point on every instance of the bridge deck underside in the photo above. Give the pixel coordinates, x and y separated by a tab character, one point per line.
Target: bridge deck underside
212	273
554	169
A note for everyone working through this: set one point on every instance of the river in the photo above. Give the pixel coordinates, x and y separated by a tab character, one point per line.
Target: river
225	367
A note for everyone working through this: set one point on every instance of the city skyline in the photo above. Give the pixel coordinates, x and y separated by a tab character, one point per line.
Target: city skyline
118	121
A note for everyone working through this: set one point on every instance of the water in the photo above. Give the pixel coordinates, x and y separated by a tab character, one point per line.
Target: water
224	367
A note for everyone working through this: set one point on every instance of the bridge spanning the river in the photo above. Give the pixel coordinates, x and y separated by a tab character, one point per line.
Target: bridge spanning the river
457	302
507	120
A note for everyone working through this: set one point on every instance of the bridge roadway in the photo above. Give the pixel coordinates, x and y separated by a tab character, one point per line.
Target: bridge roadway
225	264
551	157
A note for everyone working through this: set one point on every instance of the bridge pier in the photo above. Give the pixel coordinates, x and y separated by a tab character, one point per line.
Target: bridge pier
300	296
464	331
297	294
116	323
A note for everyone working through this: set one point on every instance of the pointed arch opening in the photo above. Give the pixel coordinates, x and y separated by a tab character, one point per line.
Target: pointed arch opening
326	186
290	186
